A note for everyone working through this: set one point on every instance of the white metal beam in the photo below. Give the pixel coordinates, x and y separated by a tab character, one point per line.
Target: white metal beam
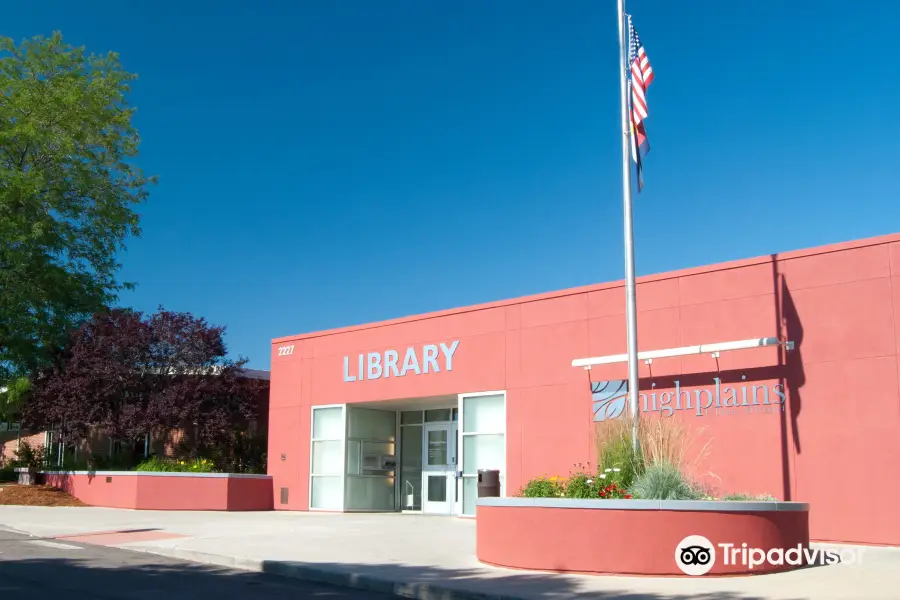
683	351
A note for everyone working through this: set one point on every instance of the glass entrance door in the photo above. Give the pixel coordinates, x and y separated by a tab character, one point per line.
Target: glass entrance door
439	489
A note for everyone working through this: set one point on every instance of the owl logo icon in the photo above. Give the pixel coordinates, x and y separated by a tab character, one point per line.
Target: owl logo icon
695	555
609	399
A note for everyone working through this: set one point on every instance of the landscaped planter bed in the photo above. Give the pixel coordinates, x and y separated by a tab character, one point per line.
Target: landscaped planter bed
166	491
633	537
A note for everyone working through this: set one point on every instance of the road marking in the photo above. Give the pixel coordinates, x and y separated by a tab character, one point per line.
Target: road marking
55	545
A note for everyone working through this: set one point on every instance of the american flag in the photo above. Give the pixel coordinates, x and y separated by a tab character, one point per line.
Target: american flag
641	77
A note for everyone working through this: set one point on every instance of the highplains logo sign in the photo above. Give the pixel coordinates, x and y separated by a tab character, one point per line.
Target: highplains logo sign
611	397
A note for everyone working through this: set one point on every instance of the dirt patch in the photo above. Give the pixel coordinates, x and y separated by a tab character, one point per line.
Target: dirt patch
35	495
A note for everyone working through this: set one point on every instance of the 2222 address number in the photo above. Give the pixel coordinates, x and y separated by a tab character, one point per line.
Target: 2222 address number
285	351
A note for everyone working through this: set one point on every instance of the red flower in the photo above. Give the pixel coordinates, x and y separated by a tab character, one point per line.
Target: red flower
628	496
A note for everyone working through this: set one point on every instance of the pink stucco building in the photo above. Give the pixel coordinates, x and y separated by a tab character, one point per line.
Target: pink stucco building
399	415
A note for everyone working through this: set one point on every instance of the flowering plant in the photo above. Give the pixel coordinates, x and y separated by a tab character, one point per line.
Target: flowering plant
580	483
612	491
544	487
606	484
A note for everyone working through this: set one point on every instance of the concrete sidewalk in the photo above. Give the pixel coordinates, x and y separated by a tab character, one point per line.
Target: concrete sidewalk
416	556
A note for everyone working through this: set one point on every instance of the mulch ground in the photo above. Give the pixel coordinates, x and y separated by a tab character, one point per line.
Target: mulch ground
35	495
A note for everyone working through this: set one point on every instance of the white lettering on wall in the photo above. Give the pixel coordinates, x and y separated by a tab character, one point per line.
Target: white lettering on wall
429	358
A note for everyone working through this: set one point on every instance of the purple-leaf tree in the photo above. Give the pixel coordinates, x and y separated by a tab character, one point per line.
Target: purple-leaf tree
131	375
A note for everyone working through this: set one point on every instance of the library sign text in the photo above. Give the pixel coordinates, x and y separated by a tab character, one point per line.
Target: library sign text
416	360
610	399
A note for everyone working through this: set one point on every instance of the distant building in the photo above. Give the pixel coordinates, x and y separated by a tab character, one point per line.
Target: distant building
174	444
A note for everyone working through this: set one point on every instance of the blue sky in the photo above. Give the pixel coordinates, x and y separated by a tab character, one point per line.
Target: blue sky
327	163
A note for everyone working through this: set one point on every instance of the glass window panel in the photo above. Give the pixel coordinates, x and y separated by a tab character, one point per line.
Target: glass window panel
352	457
327	493
369	424
411	447
437	415
484	414
328	423
378	448
372	453
370	493
456	414
470	495
483	452
437	447
327	458
411	467
437	488
411	417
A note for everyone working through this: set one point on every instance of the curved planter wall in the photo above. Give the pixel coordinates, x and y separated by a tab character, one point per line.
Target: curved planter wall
166	491
631	537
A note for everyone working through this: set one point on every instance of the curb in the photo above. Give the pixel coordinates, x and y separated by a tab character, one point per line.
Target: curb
306	572
8	529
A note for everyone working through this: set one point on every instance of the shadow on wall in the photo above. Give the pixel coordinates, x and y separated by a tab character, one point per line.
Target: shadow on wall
790	328
140	576
788	371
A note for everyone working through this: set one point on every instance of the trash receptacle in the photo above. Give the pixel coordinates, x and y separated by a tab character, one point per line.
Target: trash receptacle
488	483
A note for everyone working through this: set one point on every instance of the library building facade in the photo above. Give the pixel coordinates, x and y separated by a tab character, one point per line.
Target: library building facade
784	367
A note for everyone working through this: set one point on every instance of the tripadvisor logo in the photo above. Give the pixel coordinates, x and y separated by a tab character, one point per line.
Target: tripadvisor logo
696	555
611	397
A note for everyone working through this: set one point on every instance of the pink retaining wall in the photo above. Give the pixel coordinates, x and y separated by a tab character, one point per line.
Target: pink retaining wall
821	412
167	491
631	541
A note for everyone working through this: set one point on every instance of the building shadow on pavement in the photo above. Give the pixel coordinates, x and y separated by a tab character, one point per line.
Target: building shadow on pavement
432	582
137	576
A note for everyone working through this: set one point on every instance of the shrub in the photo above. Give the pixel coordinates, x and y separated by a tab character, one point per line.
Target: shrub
157	465
235	452
28	457
121	461
663	481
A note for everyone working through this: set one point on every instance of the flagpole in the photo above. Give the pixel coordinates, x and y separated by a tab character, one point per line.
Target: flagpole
630	303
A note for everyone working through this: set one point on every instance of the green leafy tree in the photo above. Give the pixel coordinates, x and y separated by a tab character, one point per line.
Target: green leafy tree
68	190
12	395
